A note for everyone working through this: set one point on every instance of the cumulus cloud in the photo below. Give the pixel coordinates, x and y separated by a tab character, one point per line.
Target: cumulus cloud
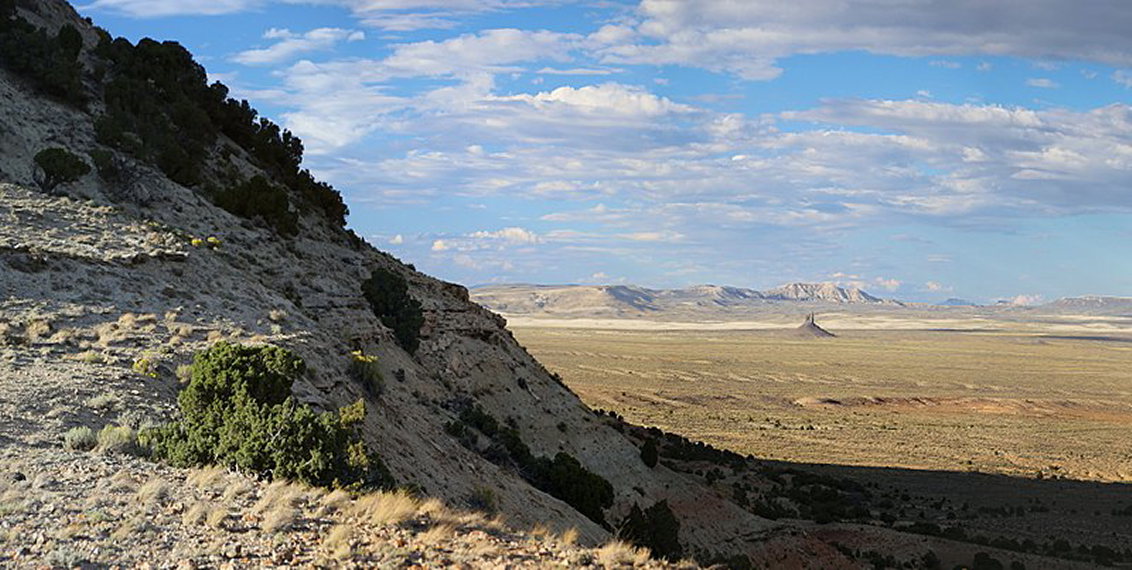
936	287
512	235
604	99
397	240
291	44
748	38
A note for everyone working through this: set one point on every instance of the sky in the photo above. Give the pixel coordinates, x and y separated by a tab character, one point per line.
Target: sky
919	149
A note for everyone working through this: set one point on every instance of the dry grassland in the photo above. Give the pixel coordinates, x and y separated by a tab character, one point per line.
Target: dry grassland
999	402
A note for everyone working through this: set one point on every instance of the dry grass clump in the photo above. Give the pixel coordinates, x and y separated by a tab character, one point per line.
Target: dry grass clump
13	501
234	491
80	439
195	514
119	440
280	494
155	490
128	324
89	357
137	525
207	478
617	553
332	502
338	542
103	402
216	517
279	519
570	537
37	330
121	482
381	509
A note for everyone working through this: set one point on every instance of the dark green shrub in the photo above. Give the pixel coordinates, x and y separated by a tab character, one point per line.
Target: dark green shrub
984	561
565	478
655	528
70	41
388	296
648	453
562	477
59	167
237	411
107	165
49	63
259	198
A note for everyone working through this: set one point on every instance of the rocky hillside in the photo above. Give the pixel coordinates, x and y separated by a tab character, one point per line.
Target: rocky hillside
146	217
706	301
820	292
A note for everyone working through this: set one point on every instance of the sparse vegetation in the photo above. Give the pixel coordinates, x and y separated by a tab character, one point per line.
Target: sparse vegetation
259	198
50	63
80	439
655	528
649	453
119	440
59	166
105	401
366	372
161	109
238	411
388	296
562	477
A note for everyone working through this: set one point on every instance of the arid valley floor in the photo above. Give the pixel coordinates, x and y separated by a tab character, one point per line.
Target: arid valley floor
1011	402
991	411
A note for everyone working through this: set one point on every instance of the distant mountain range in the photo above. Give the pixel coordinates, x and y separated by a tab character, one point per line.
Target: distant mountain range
629	300
717	301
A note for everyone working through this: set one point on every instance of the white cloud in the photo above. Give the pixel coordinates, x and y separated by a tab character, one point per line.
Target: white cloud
397	240
513	235
440	245
603	99
579	71
935	287
486	51
653	236
748	38
291	44
1042	83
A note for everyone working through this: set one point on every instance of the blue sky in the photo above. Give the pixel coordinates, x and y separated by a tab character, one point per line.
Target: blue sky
919	149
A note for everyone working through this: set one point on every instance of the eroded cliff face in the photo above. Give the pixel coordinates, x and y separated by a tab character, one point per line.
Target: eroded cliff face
105	275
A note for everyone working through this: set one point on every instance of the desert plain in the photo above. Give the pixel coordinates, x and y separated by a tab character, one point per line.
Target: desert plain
1011	392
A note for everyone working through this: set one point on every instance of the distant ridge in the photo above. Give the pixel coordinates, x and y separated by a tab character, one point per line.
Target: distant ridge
631	300
827	292
1093	304
953	302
